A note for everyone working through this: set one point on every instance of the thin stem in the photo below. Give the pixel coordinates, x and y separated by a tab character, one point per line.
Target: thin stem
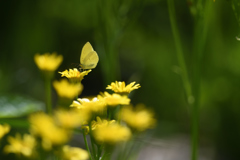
48	97
92	142
235	12
106	156
200	34
99	151
192	92
180	56
86	144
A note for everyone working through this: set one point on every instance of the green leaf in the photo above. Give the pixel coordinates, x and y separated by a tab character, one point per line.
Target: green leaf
16	106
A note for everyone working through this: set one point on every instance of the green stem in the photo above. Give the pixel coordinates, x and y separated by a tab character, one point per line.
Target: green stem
192	92
99	151
109	113
48	95
86	144
180	55
92	142
106	156
200	34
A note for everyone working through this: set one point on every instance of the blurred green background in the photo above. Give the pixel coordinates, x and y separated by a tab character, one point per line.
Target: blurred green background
134	41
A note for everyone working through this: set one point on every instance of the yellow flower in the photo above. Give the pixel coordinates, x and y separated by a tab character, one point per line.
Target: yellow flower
94	105
114	99
138	118
4	129
47	61
44	126
72	118
18	145
66	89
111	133
74	74
74	153
96	124
100	123
120	87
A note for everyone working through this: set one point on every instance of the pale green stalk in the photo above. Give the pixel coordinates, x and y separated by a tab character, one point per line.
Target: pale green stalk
192	92
48	94
92	142
200	32
86	144
99	153
180	55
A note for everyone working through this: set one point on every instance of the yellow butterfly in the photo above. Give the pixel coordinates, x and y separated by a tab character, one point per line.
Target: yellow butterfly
89	57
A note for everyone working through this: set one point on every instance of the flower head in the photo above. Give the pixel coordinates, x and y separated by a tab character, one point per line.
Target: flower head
93	105
98	123
111	133
74	153
121	88
72	118
24	146
45	127
74	74
47	61
114	99
4	129
66	89
138	118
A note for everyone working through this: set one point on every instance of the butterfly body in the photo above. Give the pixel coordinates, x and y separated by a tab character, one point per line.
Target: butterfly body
89	58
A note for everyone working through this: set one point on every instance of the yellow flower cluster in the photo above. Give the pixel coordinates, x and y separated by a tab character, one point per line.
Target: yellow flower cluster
44	126
21	145
56	130
4	129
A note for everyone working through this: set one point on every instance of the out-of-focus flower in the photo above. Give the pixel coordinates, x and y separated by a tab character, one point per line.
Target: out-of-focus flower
74	153
114	99
44	126
71	118
66	89
121	88
47	61
74	74
93	105
100	123
4	129
24	146
138	118
97	123
111	133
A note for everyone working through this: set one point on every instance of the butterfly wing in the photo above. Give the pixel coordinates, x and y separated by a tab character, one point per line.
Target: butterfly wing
87	48
90	60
